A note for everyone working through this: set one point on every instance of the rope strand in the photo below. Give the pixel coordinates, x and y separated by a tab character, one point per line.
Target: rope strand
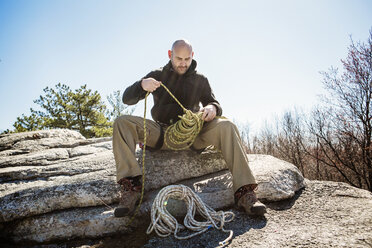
164	224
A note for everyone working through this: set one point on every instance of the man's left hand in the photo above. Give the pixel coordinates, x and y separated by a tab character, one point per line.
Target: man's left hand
209	112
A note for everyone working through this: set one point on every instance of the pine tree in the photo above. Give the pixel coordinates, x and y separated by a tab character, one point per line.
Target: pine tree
81	110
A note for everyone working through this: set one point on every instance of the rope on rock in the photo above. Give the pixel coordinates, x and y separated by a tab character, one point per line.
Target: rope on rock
182	134
165	224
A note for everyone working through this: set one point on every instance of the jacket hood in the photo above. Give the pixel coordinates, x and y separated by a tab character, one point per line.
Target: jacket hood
190	71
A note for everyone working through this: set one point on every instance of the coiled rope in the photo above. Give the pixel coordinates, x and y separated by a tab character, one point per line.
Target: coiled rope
184	132
182	135
165	224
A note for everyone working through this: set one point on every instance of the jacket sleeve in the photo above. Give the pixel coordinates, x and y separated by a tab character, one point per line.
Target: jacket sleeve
134	93
208	98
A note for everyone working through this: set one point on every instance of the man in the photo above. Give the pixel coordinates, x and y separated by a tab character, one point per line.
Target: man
190	88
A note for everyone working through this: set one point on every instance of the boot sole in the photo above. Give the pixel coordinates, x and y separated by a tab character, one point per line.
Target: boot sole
120	212
258	211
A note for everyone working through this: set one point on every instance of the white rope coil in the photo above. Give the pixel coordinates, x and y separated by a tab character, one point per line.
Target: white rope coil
165	224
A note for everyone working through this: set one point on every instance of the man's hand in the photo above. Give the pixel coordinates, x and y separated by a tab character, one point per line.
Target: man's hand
209	112
150	84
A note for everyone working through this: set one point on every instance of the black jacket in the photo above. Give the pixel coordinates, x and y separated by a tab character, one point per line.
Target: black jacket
190	89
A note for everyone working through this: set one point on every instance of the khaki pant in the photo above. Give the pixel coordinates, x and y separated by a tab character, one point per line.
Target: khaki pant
221	133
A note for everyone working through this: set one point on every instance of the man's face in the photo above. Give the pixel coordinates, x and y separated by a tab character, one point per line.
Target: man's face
181	58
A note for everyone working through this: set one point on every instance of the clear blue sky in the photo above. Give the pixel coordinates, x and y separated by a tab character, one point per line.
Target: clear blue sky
261	57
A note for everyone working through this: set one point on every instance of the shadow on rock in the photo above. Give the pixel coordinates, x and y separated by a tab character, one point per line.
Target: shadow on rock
244	223
284	204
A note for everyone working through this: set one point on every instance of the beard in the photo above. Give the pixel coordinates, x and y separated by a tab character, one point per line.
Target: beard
182	69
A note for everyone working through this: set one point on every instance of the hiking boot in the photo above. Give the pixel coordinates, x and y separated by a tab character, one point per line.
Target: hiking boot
246	198
129	196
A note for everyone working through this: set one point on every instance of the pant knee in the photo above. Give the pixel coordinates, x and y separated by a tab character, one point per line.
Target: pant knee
225	125
121	120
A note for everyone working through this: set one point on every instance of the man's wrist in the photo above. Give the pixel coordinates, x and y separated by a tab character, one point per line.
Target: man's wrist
141	83
215	108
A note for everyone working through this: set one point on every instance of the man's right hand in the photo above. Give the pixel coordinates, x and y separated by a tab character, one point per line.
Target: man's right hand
150	84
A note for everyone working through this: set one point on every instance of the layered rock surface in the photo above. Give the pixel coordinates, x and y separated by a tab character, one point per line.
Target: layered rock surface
56	184
324	214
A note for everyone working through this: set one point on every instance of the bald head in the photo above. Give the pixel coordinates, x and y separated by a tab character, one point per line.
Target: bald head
181	56
181	44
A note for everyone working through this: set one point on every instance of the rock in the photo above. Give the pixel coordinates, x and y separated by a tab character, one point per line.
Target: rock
79	222
99	221
89	180
277	179
54	179
39	140
44	157
324	214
